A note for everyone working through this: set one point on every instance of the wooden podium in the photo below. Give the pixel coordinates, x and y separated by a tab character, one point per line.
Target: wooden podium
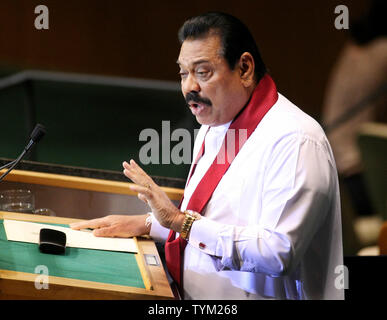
15	284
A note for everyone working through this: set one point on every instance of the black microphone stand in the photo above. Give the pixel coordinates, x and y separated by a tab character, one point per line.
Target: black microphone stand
7	164
13	164
38	132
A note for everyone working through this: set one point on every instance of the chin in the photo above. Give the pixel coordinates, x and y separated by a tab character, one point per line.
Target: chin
204	121
209	123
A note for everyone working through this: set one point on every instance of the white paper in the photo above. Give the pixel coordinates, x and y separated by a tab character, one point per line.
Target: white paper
23	231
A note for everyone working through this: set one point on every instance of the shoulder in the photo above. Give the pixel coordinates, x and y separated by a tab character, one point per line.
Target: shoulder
286	129
285	120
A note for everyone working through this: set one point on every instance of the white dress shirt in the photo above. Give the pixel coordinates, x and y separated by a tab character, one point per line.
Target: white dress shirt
272	228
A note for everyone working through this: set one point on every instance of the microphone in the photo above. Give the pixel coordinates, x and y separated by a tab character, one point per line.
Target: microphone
36	135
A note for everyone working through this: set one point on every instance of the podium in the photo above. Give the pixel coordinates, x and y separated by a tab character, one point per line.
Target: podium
80	273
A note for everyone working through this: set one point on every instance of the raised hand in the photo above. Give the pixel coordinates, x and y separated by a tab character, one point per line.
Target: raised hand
162	207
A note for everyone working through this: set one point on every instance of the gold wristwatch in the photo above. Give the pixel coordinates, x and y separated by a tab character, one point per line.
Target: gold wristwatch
190	217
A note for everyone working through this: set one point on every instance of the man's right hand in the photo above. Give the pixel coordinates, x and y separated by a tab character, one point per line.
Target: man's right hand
121	226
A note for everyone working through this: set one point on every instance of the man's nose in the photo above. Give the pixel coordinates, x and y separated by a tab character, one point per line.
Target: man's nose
190	84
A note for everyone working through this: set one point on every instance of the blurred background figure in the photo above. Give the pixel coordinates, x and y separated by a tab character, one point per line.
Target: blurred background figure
357	93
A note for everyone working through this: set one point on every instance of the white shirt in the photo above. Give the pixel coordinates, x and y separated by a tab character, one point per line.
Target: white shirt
272	228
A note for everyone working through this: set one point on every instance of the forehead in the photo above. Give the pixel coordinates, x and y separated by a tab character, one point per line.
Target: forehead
200	50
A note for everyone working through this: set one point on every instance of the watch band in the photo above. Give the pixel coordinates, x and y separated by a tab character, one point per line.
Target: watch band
190	217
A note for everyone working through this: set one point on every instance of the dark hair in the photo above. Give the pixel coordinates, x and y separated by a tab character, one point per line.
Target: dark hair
235	37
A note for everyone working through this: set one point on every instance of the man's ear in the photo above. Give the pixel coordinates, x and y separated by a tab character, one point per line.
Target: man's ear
246	69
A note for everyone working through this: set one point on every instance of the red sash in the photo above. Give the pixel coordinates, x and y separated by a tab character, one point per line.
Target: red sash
263	98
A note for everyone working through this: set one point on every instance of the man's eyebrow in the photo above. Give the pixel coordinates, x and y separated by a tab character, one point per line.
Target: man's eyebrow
195	62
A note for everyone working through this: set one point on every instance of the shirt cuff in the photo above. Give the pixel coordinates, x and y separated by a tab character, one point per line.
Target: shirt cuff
204	235
157	231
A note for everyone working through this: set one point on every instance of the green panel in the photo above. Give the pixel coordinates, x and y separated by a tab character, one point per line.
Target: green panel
84	264
12	130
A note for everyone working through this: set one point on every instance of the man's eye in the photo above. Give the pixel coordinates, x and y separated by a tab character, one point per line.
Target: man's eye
202	73
183	74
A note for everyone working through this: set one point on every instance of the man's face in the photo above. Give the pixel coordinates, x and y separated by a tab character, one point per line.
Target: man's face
213	91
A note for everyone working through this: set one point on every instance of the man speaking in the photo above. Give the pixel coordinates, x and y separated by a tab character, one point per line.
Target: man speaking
260	217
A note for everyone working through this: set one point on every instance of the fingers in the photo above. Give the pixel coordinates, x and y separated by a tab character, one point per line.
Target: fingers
137	167
103	227
133	165
92	224
122	226
133	171
140	189
126	165
144	194
142	198
105	232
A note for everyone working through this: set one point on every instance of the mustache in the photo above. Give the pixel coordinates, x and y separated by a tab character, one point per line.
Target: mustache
194	97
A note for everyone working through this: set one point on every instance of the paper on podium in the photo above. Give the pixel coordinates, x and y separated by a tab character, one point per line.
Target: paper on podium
23	231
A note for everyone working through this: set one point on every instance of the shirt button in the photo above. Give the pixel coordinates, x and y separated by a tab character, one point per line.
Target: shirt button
202	245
